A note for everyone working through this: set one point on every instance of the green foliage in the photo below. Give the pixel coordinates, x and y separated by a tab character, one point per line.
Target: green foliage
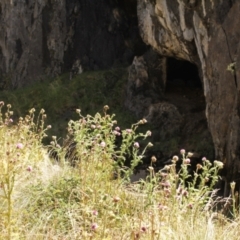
61	96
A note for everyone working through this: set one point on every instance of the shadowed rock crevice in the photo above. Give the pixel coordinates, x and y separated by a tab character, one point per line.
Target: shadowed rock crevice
168	93
180	72
184	90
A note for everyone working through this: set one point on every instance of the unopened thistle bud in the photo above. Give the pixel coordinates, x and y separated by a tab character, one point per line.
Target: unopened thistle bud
150	144
190	154
149	133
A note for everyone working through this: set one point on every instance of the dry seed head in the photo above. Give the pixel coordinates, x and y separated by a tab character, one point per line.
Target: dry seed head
218	164
150	168
54	138
199	166
232	185
167	167
206	179
42	111
175	158
106	107
144	120
32	110
116	199
78	111
190	154
153	159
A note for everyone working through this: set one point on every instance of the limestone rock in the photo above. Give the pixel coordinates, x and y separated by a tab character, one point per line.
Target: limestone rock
145	91
48	37
206	33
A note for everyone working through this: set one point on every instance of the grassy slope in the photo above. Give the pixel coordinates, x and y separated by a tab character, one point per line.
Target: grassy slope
60	97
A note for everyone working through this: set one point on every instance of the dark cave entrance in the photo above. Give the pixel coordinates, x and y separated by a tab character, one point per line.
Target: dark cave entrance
184	90
182	74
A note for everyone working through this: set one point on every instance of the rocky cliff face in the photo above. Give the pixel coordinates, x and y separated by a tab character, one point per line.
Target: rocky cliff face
206	33
48	37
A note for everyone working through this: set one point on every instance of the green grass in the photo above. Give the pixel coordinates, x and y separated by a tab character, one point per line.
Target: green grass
60	97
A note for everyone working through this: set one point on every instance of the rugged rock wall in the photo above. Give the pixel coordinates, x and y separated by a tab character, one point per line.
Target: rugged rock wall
49	37
206	33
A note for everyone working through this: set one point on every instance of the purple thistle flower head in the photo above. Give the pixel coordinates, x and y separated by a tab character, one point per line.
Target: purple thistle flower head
129	130
115	132
182	151
143	229
136	145
20	146
95	212
29	168
103	144
94	226
187	161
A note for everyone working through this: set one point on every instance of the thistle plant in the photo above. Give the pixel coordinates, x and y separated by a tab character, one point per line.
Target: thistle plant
86	192
96	136
16	142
